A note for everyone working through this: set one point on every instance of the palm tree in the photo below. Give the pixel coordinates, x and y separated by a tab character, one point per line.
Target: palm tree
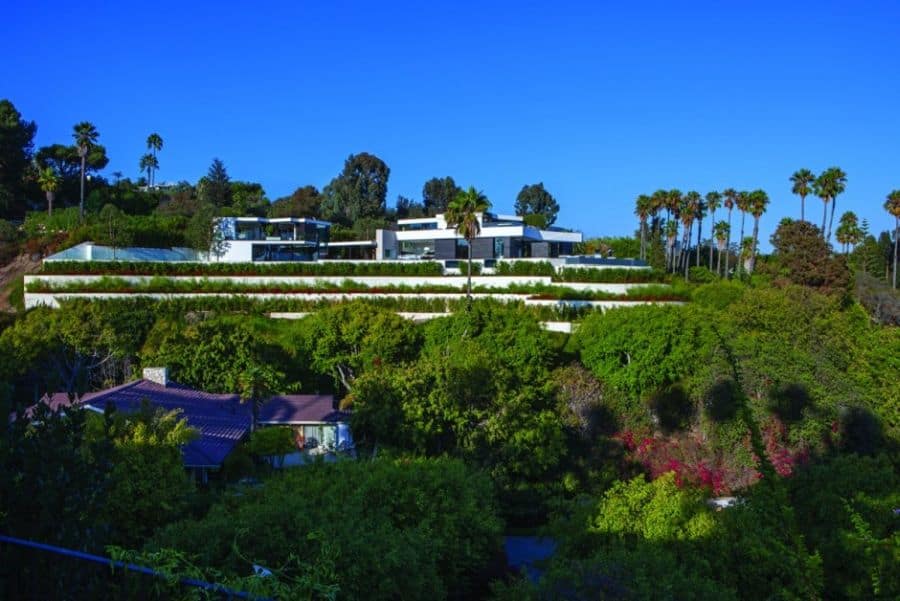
673	208
689	212
643	208
848	231
713	202
117	175
671	234
462	213
149	164
49	182
85	137
721	232
892	206
837	183
820	189
743	205
154	144
803	180
730	195
757	202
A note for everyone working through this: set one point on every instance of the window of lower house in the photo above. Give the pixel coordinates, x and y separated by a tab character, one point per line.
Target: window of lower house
462	249
499	247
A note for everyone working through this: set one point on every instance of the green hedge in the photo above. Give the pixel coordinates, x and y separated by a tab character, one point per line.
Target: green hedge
374	268
610	276
542	268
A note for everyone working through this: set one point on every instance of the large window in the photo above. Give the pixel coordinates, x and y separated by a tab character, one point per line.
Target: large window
283	252
417	227
462	248
417	248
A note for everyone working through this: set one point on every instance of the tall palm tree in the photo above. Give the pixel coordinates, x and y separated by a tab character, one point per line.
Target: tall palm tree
892	206
847	231
643	208
821	189
154	145
673	208
730	195
149	164
743	205
690	210
671	234
758	200
713	202
837	183
462	214
85	135
721	233
802	180
49	182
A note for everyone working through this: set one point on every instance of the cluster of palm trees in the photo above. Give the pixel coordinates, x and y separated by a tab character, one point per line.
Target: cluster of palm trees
150	161
828	186
688	208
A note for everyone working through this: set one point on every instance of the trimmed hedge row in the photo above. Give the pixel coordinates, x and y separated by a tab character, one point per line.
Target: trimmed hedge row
610	276
541	268
373	268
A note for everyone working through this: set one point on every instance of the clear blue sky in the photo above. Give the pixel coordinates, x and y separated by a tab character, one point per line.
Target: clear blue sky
601	101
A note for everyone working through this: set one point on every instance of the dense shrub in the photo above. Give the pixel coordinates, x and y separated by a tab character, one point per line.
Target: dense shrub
541	268
408	529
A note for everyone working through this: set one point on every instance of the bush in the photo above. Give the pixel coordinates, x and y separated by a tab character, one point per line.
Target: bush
541	268
403	529
701	275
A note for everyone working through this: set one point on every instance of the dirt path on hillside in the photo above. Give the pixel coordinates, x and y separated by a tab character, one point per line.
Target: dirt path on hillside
19	266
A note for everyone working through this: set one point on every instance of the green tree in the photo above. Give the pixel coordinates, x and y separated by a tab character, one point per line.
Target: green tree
148	486
215	188
16	145
802	185
757	202
85	136
49	182
534	199
411	528
892	206
807	261
359	191
437	193
114	227
463	215
154	145
303	202
713	202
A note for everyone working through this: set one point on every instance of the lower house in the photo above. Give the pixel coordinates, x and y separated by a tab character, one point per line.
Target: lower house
222	420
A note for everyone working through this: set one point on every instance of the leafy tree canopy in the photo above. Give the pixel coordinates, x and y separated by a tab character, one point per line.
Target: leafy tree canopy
534	199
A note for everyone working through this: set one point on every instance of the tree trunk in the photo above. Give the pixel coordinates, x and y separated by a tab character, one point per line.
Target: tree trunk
687	250
755	241
896	242
81	202
740	261
718	262
643	239
728	244
469	284
802	207
831	219
824	217
50	196
712	236
699	242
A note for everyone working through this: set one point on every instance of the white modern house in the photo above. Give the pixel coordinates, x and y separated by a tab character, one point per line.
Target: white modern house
500	237
252	239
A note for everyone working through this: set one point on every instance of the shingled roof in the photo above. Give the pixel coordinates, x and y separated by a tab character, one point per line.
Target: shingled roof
221	419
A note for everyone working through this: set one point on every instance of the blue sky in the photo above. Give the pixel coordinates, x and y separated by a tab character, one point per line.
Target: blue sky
601	101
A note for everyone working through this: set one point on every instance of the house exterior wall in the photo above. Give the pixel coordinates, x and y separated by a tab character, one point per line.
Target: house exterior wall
445	249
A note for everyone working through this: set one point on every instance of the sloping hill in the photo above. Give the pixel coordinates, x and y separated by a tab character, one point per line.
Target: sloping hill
11	274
